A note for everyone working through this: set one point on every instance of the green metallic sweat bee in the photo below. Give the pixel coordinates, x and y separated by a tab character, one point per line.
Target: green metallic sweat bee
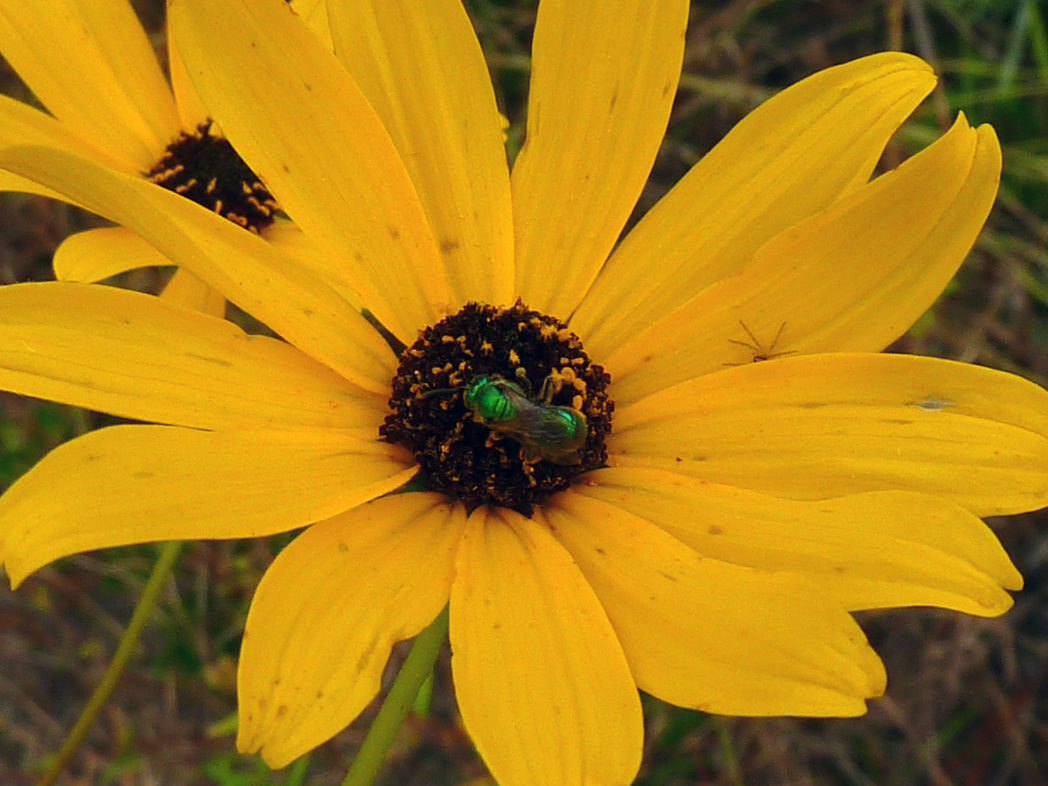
547	432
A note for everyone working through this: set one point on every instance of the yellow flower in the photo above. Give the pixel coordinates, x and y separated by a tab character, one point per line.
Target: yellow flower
92	66
707	541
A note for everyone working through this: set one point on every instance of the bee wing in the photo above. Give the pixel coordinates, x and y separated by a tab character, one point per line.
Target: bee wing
552	429
553	433
555	427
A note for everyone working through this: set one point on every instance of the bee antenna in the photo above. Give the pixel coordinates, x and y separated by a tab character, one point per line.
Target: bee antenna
439	391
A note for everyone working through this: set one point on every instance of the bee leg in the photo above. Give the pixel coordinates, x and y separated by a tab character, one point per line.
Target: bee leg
551	386
523	381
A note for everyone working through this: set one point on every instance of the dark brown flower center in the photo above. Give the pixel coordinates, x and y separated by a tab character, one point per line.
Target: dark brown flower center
500	406
205	168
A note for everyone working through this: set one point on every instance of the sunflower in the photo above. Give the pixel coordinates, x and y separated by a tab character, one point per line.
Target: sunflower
593	470
93	67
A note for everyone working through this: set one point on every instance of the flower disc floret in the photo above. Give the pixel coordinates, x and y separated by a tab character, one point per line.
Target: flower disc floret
204	168
435	411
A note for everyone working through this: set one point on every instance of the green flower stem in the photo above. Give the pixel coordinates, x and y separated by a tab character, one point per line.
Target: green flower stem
727	750
128	642
416	669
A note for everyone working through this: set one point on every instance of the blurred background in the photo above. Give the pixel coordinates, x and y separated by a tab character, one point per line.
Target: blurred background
967	699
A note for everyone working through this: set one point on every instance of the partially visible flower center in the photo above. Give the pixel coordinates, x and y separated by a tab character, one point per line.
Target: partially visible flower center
204	167
500	406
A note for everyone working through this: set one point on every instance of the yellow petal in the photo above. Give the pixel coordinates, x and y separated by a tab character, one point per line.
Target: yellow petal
244	267
186	290
873	550
191	109
296	244
302	124
12	182
818	426
135	484
327	612
95	254
542	684
788	159
90	63
135	356
850	279
602	84
315	14
717	637
21	124
434	96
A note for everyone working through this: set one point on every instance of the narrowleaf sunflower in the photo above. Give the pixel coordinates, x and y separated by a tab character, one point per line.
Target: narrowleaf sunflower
706	536
93	68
